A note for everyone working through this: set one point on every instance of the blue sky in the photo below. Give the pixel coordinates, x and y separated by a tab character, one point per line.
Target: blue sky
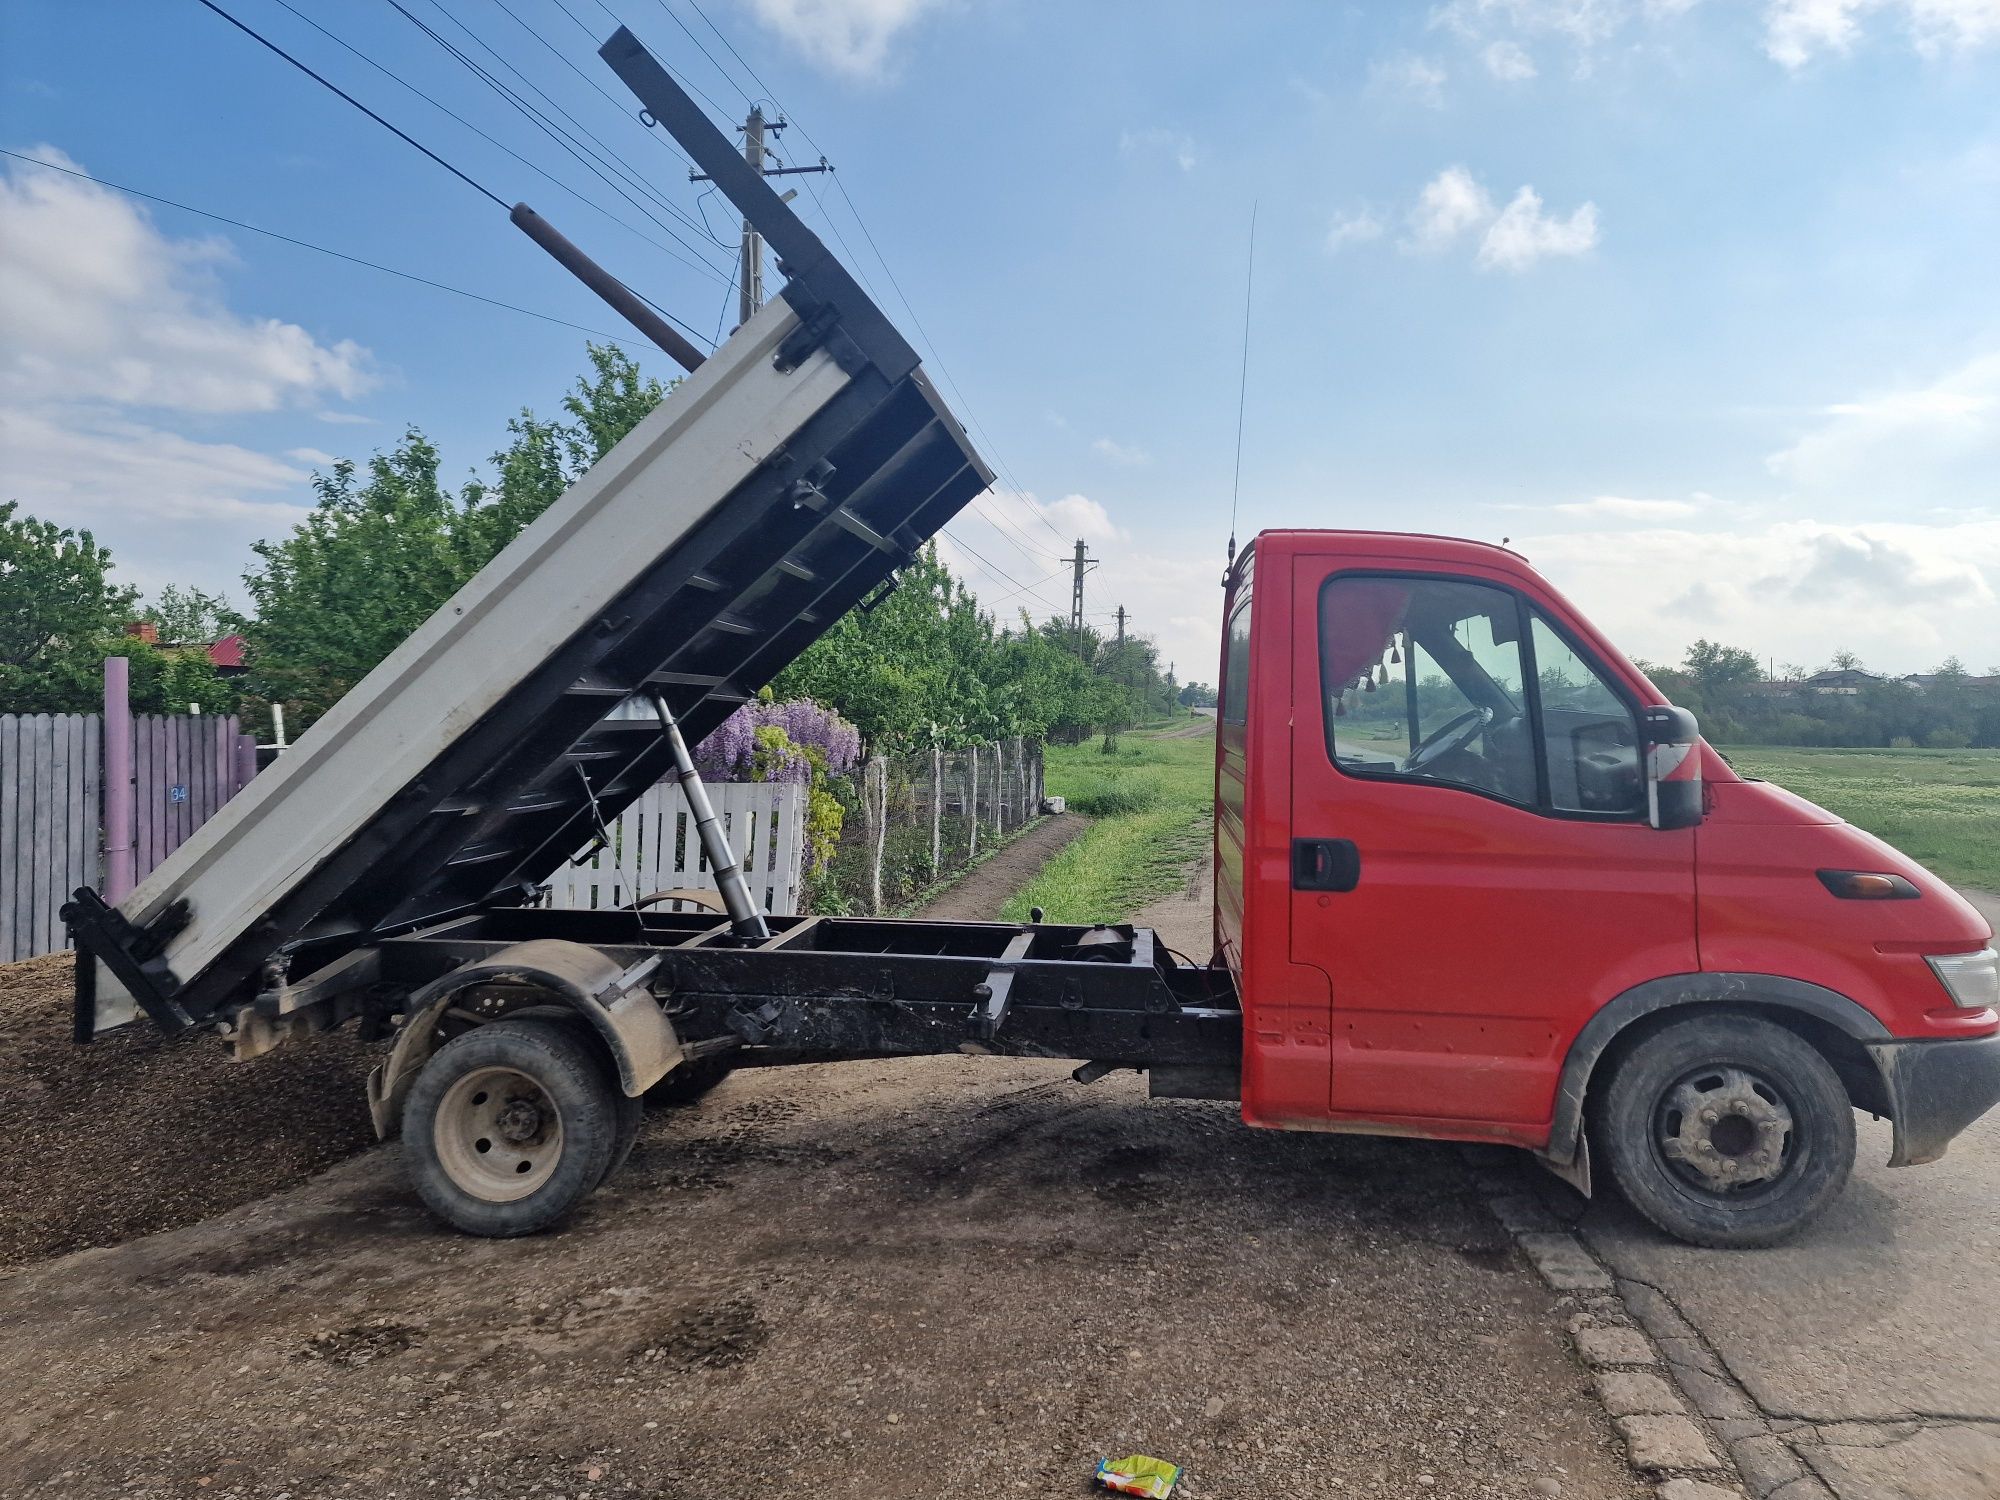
1693	300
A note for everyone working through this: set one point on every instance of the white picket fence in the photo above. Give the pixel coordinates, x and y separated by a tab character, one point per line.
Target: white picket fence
655	847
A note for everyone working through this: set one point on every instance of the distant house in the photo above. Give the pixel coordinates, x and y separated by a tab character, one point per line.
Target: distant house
1923	682
1844	681
225	655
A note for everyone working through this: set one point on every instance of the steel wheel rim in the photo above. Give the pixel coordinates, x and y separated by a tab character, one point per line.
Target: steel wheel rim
1726	1132
499	1134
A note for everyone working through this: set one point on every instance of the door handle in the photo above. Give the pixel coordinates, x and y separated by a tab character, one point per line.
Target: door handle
1325	865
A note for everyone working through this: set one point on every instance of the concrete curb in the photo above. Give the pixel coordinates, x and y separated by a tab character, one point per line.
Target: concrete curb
1681	1450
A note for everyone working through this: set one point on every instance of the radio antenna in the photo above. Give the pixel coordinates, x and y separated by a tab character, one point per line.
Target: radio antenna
1242	387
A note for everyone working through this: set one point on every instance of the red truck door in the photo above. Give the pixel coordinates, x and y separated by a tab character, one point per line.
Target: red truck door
1472	867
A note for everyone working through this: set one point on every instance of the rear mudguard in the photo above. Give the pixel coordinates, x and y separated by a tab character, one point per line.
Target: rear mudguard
616	1003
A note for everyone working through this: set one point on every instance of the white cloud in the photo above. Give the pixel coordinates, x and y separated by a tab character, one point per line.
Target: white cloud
1797	31
850	37
1421	78
345	418
91	467
1125	454
1904	449
1902	595
1451	203
1159	141
1621	507
1866	567
97	304
1900	560
318	457
1508	61
1586	23
1523	234
1355	228
106	324
1454	204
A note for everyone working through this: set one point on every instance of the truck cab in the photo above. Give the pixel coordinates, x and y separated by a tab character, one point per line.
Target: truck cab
1476	880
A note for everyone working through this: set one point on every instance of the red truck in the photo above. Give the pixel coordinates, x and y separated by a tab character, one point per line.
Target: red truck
1476	880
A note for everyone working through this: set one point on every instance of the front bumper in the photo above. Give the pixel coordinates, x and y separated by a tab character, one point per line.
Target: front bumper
1936	1089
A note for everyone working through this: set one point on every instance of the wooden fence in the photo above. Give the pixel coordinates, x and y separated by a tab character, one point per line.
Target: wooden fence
52	808
49	799
183	770
655	847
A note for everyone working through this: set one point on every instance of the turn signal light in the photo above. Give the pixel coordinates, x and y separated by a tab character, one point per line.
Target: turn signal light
1867	885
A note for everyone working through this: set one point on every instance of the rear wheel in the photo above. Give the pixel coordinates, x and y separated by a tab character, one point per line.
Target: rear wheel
509	1127
1727	1130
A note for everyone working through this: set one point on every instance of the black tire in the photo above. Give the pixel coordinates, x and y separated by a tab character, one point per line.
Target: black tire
1726	1130
629	1113
509	1127
690	1081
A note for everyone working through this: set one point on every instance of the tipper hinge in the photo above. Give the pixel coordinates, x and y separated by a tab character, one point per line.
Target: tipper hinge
818	327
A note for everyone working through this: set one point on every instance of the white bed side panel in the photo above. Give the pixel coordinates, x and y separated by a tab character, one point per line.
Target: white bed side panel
664	477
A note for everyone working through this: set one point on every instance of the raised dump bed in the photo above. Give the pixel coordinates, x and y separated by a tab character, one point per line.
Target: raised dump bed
777	485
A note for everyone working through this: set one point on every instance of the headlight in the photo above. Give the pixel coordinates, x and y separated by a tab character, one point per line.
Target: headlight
1971	979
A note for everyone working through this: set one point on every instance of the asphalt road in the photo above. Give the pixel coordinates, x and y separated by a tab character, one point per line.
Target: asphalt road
1862	1360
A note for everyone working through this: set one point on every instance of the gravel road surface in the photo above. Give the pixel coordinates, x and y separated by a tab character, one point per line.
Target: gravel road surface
1862	1360
943	1275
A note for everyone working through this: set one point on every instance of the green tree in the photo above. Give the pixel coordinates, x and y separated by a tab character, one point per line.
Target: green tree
188	616
1715	666
384	547
59	612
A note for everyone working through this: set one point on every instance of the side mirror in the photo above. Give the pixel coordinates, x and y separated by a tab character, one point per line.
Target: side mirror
1672	744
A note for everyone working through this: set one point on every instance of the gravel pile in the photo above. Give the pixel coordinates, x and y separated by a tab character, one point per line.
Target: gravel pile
137	1132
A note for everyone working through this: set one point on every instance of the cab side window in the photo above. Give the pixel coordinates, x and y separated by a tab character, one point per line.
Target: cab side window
1590	739
1422	680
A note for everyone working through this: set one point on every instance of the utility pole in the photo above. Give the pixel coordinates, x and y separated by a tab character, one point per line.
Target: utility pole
750	281
1080	565
1124	668
761	154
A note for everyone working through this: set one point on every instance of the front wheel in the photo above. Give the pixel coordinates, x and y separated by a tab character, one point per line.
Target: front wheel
1727	1130
509	1127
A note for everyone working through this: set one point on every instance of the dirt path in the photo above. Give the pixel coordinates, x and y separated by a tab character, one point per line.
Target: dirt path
1192	730
985	888
1184	918
907	1279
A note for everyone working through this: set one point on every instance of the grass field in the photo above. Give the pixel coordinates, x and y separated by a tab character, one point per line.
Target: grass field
1938	806
1151	799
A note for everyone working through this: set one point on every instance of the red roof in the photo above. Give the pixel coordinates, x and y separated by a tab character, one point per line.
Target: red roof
227	652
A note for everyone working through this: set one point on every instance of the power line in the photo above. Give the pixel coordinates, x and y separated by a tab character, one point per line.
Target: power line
1008	532
541	171
457	291
854	260
610	154
594	162
687	83
325	83
602	92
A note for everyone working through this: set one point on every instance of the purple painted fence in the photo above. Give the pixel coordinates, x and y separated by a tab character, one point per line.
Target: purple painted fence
184	767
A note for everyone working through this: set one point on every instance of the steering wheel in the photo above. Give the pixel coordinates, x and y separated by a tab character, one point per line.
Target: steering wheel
1455	734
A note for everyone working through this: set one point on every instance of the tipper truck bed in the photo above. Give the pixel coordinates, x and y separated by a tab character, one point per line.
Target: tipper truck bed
1475	878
